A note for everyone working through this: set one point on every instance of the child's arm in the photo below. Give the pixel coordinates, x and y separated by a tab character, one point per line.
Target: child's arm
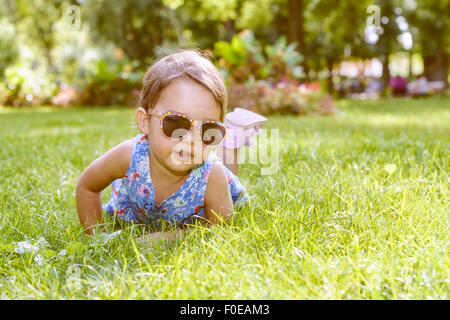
217	196
100	173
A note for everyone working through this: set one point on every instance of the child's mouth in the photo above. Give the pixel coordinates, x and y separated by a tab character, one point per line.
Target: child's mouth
184	155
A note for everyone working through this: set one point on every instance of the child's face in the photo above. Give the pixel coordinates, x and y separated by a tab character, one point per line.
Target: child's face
194	100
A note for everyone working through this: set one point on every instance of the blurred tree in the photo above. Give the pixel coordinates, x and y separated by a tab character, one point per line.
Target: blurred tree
267	19
8	45
141	26
326	31
388	39
431	25
296	25
204	22
209	20
135	26
146	28
35	20
335	32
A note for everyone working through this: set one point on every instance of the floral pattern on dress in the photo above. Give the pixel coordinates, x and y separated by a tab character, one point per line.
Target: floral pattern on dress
133	196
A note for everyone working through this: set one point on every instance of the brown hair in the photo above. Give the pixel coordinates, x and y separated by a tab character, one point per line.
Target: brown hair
188	63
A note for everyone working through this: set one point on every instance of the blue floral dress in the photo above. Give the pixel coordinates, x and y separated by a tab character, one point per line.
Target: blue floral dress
133	196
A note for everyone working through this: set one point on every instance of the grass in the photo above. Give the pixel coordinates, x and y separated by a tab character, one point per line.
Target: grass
359	210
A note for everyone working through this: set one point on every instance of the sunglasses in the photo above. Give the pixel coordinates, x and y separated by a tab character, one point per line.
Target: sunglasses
175	126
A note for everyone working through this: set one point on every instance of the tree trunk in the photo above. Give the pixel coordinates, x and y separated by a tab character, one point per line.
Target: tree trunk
176	25
230	24
386	74
436	66
330	87
230	29
296	30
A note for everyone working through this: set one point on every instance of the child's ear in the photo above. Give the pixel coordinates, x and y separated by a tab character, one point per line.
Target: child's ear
142	120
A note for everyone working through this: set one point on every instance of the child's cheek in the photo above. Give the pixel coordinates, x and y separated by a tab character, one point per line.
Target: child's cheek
160	144
168	147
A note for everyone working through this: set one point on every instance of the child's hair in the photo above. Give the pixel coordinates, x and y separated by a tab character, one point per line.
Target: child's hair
188	63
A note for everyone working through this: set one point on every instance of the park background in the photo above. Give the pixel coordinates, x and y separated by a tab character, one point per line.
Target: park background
358	90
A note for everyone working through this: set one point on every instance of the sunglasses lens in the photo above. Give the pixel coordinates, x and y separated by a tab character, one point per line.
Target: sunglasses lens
213	134
175	126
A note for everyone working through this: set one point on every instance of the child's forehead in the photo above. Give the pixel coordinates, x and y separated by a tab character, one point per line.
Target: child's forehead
188	97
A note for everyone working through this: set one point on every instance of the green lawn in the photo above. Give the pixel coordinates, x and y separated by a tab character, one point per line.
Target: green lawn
359	210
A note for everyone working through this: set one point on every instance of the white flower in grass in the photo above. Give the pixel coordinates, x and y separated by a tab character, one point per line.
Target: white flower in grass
28	247
104	238
39	260
25	246
42	243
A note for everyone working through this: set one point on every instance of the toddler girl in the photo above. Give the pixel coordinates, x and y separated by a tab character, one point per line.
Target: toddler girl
168	172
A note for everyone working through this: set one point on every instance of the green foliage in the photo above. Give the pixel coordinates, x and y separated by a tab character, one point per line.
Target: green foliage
260	79
430	22
136	26
234	52
255	14
332	30
243	58
115	81
37	22
26	86
115	91
8	45
283	60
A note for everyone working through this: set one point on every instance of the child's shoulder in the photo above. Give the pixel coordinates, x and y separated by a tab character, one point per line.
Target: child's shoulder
126	146
121	154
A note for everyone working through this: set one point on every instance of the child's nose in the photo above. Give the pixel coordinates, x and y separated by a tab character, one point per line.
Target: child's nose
188	138
193	135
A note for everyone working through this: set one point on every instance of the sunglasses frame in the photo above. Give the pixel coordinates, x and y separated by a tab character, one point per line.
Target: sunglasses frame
162	114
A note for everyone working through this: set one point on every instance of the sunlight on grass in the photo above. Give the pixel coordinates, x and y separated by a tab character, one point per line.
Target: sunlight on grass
359	210
42	109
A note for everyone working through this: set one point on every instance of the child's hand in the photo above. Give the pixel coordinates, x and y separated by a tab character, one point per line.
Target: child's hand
156	237
150	239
